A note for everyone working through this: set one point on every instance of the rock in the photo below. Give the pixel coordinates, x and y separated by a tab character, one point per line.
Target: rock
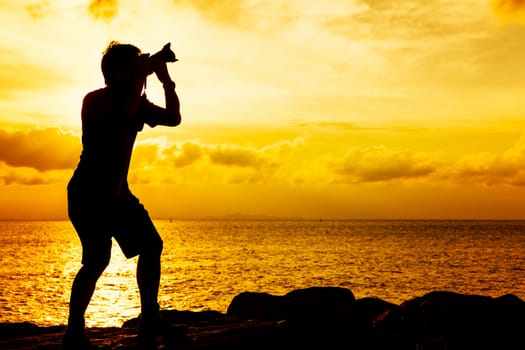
257	306
316	304
447	320
318	318
364	312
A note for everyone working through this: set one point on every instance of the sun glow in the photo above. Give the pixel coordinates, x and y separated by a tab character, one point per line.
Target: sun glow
341	109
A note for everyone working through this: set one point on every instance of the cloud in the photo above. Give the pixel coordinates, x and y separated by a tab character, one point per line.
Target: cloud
179	155
235	156
103	9
271	14
341	126
41	156
18	74
38	10
221	11
489	169
40	149
10	175
406	18
190	153
193	152
509	9
228	155
377	164
158	161
380	164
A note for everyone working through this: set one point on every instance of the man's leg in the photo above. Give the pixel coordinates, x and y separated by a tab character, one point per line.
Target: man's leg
148	278
137	235
95	259
151	322
82	291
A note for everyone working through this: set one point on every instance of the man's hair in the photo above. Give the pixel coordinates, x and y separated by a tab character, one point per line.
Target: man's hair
117	57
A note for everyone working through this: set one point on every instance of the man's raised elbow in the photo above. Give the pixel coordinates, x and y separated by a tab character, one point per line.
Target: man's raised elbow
176	120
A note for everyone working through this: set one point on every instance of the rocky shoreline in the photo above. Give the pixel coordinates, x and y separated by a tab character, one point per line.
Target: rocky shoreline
318	318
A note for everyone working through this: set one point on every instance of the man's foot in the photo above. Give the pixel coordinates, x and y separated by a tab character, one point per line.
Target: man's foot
154	324
76	340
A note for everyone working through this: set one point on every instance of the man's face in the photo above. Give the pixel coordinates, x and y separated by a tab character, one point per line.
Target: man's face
143	65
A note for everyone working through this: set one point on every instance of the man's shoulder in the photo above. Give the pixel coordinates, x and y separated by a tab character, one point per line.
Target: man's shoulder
95	93
95	105
96	97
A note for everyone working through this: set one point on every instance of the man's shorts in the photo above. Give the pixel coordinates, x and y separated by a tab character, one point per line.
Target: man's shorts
96	222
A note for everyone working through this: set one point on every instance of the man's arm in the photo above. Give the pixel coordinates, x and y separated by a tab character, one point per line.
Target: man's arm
172	117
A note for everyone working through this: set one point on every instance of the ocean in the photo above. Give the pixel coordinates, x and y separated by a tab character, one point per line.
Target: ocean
207	262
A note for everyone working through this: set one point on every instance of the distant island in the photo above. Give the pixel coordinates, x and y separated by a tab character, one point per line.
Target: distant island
240	217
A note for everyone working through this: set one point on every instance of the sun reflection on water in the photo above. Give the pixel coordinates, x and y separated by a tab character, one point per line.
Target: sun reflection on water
116	297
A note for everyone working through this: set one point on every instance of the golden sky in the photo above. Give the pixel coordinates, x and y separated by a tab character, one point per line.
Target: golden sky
291	108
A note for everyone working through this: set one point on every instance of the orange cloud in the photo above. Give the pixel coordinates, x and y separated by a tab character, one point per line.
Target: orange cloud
103	9
190	153
379	164
10	175
235	156
156	161
183	155
375	164
507	168
40	149
229	155
509	9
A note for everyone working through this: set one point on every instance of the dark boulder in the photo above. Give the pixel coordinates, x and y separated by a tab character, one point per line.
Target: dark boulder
312	318
315	304
365	311
256	306
447	320
323	306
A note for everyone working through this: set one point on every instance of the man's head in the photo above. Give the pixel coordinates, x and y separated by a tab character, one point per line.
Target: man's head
123	63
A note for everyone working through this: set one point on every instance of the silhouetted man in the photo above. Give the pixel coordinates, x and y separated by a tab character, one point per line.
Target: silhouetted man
100	203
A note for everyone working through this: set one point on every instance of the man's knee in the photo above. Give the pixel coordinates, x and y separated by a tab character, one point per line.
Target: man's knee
154	248
96	264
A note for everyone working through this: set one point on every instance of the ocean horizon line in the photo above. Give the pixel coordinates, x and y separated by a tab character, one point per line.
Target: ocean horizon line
243	217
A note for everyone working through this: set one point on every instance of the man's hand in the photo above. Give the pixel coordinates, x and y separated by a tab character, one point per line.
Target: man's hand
161	70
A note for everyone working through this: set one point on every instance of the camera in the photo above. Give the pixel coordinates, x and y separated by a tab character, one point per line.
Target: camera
166	54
